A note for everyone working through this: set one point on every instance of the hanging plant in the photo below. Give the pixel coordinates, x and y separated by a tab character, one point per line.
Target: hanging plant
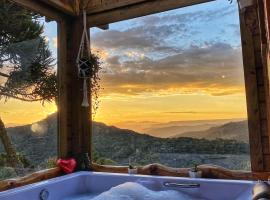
89	69
95	82
88	65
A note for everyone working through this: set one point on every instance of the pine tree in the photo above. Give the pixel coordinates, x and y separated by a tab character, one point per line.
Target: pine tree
26	63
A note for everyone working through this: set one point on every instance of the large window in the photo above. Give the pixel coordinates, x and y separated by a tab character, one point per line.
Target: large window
28	87
172	89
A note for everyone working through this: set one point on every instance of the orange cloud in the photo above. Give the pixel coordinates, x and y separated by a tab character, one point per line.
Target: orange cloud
101	53
19	112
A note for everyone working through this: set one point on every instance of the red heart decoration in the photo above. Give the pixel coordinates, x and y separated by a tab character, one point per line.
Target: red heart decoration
67	165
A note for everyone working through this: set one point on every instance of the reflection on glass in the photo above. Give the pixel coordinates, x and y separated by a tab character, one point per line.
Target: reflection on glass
173	89
28	87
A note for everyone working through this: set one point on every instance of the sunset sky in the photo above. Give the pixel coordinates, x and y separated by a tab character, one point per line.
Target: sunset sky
178	65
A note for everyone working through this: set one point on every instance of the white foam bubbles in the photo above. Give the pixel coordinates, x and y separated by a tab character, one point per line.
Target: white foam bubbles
135	191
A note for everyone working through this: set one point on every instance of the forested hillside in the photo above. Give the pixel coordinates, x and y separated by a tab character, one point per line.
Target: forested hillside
38	142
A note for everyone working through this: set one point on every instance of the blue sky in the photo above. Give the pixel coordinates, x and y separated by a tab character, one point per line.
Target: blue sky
203	38
183	64
195	25
50	32
168	62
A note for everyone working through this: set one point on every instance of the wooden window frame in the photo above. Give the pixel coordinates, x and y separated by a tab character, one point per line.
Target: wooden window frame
74	127
253	35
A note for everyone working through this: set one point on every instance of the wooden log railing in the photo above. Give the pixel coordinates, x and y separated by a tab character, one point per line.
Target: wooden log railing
208	171
29	179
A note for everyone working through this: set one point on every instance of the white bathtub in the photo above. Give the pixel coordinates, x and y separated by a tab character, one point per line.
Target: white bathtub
79	183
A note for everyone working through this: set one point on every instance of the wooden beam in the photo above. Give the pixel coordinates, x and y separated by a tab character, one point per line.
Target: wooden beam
256	82
137	10
63	86
41	8
104	27
267	24
74	120
96	6
262	15
64	6
267	19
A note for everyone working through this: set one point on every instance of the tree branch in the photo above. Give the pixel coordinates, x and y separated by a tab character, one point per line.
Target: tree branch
4	75
19	98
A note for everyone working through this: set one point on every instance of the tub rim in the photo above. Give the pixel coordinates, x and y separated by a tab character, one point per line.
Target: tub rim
91	173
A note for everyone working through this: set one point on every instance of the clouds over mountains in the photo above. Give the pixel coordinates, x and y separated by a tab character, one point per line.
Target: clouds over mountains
173	53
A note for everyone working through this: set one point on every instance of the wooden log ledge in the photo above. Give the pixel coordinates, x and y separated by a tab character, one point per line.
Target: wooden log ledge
29	179
208	171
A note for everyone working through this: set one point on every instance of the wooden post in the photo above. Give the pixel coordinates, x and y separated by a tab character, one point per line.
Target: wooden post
73	120
262	15
257	85
267	19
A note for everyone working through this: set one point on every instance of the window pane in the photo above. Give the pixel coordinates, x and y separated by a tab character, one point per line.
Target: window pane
28	86
173	89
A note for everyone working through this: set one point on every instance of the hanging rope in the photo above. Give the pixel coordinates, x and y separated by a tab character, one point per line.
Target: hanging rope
83	61
84	4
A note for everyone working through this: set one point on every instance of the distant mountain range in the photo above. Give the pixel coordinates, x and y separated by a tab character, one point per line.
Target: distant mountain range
172	131
231	131
38	142
171	128
121	144
174	128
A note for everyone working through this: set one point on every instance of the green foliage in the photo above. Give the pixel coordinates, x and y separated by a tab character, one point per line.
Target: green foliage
25	59
7	172
105	161
51	163
4	163
195	166
119	145
101	160
26	163
95	80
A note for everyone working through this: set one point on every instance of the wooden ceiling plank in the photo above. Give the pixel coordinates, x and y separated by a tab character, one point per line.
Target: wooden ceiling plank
64	6
138	10
104	27
96	6
41	8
